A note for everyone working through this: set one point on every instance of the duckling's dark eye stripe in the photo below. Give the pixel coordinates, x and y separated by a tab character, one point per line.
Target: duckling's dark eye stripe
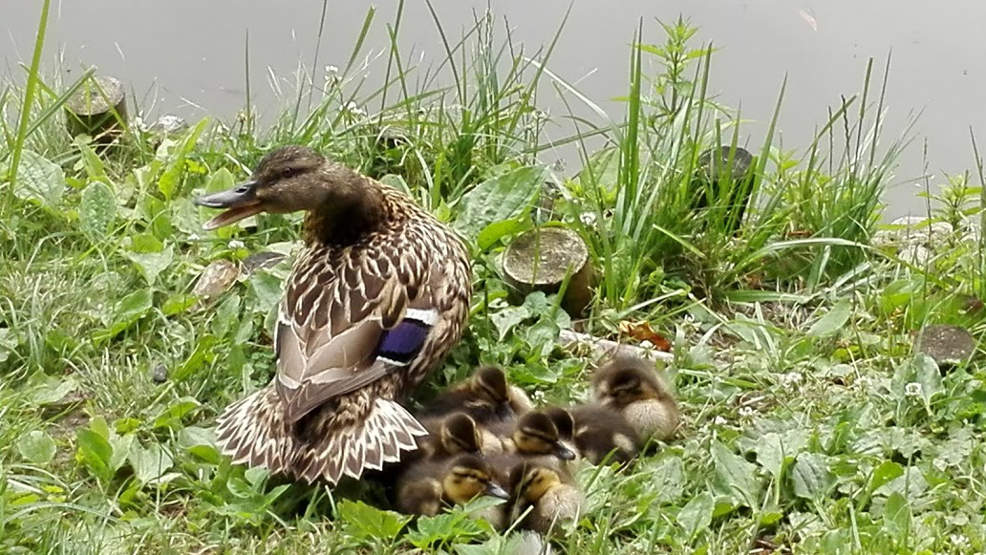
400	344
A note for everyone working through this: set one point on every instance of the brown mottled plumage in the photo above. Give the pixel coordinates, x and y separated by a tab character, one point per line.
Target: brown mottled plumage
486	396
376	299
425	485
598	433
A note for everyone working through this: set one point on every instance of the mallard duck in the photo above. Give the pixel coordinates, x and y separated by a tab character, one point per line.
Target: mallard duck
427	483
376	299
486	396
632	386
598	433
533	433
544	497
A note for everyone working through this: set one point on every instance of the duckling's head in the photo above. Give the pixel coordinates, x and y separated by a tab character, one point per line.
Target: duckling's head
290	179
469	476
490	384
459	434
532	482
563	421
625	380
536	434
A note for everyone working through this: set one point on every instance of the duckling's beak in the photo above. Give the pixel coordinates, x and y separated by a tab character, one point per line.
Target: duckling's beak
494	489
241	201
563	453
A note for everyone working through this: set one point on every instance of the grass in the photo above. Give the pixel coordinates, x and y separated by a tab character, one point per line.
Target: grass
810	423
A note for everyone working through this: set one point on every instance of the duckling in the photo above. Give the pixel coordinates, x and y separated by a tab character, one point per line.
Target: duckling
377	298
631	386
486	396
546	495
427	483
535	434
456	433
598	433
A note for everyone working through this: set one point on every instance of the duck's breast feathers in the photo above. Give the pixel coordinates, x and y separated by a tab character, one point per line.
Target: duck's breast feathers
350	317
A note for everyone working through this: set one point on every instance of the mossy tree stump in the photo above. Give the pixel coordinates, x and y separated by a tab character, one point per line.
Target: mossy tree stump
724	172
541	259
98	109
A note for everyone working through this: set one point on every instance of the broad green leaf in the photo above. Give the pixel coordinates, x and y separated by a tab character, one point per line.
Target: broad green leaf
203	354
95	170
39	179
256	476
832	321
885	473
811	476
131	308
8	342
443	528
52	390
122	446
149	463
897	515
175	167
503	197
696	515
736	476
396	181
366	522
95	452
266	288
172	415
97	210
506	319
37	447
151	264
498	230
200	442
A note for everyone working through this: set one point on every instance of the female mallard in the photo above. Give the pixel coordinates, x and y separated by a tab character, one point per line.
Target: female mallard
378	297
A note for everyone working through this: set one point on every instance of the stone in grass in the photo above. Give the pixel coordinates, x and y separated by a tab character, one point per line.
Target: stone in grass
98	109
540	260
216	278
159	373
168	125
947	345
258	260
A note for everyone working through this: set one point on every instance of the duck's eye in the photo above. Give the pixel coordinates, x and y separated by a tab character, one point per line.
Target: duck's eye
243	189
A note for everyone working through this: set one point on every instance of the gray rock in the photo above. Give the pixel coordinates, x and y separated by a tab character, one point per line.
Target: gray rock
948	345
168	124
160	373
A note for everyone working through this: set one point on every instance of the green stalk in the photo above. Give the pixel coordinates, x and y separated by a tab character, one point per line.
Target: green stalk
32	81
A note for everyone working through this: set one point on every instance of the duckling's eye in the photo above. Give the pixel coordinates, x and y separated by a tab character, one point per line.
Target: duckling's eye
290	172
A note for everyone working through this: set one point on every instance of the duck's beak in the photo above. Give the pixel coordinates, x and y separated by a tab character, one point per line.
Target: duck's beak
494	489
241	202
563	453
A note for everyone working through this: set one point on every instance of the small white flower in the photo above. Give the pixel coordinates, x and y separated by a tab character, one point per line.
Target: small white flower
332	70
791	378
587	218
939	463
193	237
646	344
235	244
719	421
958	540
746	411
354	109
913	389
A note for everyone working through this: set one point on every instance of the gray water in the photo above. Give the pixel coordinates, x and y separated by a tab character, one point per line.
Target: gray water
187	56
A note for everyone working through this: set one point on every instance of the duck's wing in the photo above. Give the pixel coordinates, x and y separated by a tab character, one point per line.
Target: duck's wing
349	317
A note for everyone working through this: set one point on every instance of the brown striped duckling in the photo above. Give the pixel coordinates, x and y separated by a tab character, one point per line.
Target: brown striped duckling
632	386
452	435
427	484
544	497
486	396
534	434
598	433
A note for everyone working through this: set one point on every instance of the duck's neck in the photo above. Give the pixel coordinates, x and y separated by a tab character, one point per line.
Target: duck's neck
344	223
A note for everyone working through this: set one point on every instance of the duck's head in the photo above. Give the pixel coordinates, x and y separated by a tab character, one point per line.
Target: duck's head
469	476
562	419
290	179
459	434
536	434
532	481
490	384
625	380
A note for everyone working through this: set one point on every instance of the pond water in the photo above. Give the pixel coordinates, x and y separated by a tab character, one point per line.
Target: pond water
187	56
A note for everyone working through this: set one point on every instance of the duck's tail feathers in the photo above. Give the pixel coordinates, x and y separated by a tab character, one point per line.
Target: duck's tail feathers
252	431
378	438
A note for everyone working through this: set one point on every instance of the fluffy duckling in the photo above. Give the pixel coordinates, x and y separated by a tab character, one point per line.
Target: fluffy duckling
535	434
486	396
428	483
452	435
544	497
632	386
598	433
